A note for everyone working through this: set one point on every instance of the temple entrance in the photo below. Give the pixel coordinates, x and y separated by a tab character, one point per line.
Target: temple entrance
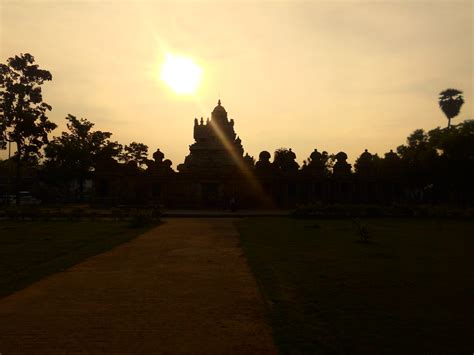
210	194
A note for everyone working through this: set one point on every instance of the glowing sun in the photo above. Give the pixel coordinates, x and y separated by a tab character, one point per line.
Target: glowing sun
181	74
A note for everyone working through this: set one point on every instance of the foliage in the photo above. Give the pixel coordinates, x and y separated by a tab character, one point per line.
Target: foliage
23	113
450	102
135	152
285	160
76	153
249	161
442	159
319	163
419	158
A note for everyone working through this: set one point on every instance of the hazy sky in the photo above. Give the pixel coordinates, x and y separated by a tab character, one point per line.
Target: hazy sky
332	75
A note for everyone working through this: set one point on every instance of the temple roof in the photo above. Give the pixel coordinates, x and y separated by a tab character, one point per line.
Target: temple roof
219	110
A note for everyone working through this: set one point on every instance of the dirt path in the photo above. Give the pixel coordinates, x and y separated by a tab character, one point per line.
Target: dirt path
184	287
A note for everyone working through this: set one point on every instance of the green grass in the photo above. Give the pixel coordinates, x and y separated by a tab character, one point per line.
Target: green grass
32	250
409	290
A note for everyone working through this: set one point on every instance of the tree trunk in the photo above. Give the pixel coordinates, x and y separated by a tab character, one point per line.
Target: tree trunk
449	122
18	174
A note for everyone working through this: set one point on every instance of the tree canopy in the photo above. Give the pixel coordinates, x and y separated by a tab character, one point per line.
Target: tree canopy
75	153
285	160
450	102
135	152
23	113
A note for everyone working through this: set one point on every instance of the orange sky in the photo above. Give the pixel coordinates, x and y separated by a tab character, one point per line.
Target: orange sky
332	75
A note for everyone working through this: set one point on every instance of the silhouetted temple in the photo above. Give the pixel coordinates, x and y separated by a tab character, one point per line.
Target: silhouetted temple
211	173
210	176
216	148
216	171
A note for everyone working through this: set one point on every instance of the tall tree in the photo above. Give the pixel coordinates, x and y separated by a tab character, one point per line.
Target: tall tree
418	159
136	152
455	169
23	118
76	153
450	102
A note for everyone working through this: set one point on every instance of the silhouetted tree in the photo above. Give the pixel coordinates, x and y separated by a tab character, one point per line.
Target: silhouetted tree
285	160
249	160
455	159
76	153
450	102
136	152
419	162
23	118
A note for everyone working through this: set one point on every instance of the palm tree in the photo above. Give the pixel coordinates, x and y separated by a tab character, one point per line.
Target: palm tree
450	102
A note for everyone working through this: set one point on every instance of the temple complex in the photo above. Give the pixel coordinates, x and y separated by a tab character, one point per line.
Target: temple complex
216	172
210	176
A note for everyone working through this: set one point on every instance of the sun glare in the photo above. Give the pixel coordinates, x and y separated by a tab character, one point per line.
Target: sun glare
181	74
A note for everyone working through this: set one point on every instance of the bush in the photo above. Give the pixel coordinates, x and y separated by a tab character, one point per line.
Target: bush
140	218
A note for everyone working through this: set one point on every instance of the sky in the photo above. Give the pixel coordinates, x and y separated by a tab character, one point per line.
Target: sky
332	75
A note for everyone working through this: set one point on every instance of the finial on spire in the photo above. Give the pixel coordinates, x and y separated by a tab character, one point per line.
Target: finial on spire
219	102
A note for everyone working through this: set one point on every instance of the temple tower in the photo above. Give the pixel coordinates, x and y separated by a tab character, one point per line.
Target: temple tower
216	145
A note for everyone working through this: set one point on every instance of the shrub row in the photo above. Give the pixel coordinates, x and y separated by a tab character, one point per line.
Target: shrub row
137	216
336	210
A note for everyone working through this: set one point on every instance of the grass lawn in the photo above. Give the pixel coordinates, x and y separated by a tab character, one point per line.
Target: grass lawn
410	290
32	250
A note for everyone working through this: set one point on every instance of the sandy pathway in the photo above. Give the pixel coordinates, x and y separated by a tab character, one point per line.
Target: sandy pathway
184	287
